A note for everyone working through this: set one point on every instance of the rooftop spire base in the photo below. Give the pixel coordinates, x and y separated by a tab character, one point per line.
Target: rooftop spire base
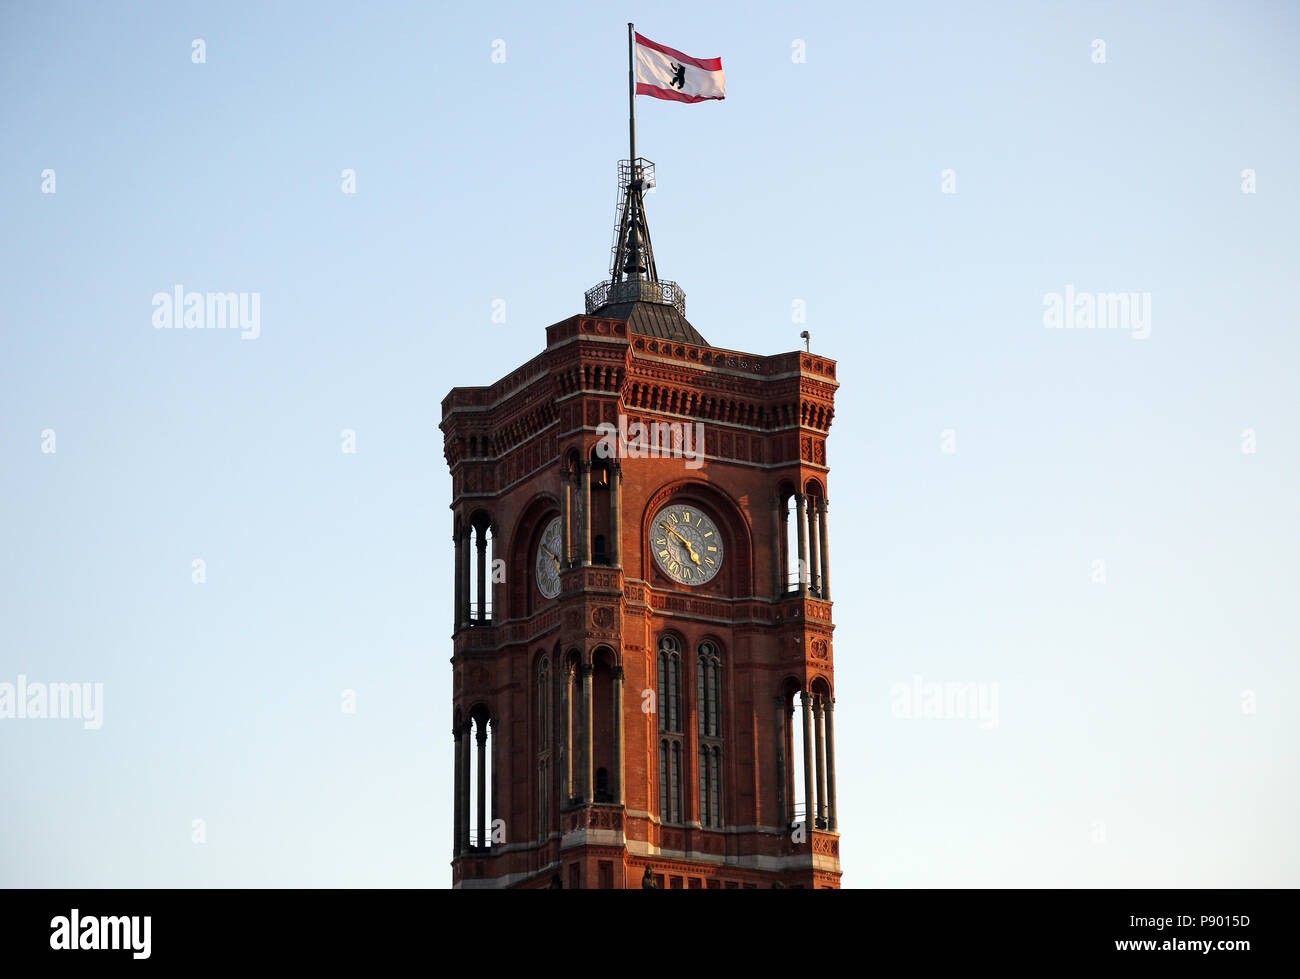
611	292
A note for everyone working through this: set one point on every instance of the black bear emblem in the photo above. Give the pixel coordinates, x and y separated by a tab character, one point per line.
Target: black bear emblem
679	76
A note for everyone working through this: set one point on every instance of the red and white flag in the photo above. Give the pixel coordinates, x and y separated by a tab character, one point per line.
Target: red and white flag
669	74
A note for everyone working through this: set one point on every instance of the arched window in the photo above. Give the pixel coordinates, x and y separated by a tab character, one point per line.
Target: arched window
670	730
478	585
480	802
670	685
544	725
708	687
543	706
543	797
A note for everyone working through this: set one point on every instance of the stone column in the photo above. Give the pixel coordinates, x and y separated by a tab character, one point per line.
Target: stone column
777	549
783	817
584	519
455	795
783	585
459	545
808	799
616	514
818	740
566	746
496	764
833	820
788	733
814	564
482	781
481	543
463	553
566	522
586	732
825	506
466	732
802	529
618	736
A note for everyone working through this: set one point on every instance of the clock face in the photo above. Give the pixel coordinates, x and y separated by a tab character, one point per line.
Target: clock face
687	545
549	551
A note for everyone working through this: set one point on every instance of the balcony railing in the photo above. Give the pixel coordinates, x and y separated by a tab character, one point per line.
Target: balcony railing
609	292
801	816
792	586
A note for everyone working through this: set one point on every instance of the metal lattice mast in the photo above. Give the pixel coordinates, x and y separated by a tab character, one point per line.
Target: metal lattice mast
633	276
633	255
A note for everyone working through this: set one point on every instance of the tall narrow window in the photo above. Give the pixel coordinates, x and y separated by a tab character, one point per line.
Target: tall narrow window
543	799
675	788
544	707
702	766
715	795
544	724
791	520
670	730
708	687
663	779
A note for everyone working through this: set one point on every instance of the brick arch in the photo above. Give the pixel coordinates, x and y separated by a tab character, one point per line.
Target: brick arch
605	651
716	638
543	659
737	574
521	596
789	688
673	633
480	713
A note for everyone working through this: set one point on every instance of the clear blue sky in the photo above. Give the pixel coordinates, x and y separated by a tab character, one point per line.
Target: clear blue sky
1122	753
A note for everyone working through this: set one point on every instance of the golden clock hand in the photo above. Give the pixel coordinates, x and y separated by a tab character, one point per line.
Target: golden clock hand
675	534
689	549
552	557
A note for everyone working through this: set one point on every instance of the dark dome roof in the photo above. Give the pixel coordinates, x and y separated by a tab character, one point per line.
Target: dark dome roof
659	320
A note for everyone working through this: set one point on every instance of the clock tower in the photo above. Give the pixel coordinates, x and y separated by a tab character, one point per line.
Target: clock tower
643	679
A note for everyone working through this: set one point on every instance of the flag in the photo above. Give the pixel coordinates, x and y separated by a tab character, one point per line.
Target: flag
669	74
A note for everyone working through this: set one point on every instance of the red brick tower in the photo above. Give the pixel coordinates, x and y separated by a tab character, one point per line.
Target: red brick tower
638	654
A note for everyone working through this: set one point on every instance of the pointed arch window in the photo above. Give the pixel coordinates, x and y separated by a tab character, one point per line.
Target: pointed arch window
708	691
544	706
544	727
670	729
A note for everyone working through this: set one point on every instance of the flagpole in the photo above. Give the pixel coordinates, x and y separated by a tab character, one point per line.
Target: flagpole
631	98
